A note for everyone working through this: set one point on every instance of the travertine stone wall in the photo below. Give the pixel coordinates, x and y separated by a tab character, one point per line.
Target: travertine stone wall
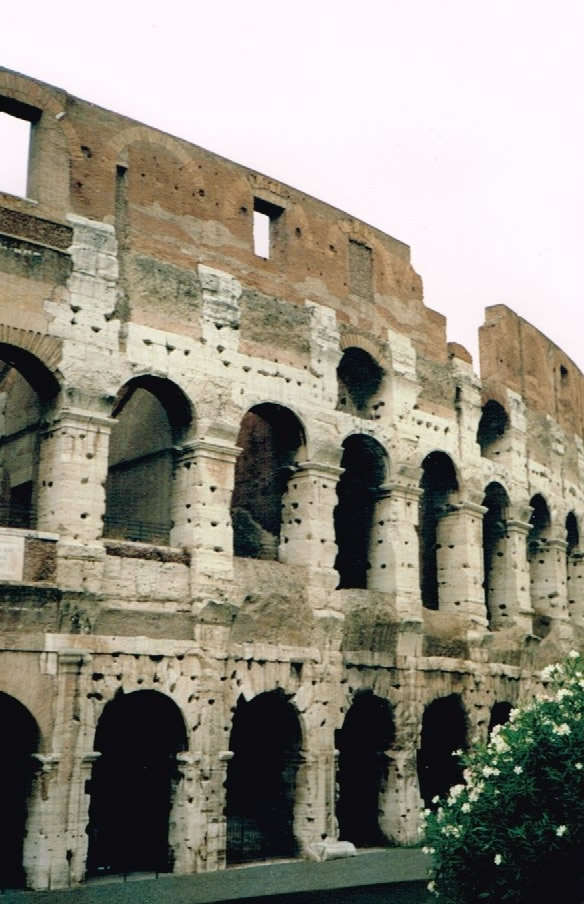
131	296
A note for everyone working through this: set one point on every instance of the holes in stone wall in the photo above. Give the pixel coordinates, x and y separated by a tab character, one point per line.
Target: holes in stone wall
270	438
365	467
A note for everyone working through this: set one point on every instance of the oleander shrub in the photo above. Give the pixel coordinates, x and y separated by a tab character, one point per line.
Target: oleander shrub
514	831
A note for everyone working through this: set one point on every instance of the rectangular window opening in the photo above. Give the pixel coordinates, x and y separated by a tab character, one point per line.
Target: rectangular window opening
265	218
15	134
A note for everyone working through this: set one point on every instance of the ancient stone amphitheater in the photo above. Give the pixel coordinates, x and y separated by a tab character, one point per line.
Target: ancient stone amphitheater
270	549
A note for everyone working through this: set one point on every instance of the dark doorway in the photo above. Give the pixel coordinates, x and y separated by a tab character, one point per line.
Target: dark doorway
261	779
138	736
443	732
20	738
437	483
364	472
367	732
500	713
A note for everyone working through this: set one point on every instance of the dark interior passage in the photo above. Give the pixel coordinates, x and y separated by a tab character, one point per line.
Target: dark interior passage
500	713
20	739
438	481
132	783
364	472
368	731
444	730
261	779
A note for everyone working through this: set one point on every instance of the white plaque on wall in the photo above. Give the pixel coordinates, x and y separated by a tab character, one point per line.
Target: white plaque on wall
11	558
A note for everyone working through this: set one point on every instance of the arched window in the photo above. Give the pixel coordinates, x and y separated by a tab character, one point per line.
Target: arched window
368	731
261	778
539	562
496	502
492	425
132	783
364	464
270	438
151	415
359	378
444	731
20	738
438	483
500	713
574	567
27	388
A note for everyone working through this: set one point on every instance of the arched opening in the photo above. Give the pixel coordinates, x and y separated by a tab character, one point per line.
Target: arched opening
359	378
492	425
27	388
132	783
20	739
500	713
368	732
444	731
496	502
364	464
151	415
270	438
261	778
437	484
574	567
539	563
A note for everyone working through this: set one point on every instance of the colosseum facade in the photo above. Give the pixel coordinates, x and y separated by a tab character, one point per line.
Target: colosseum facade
270	549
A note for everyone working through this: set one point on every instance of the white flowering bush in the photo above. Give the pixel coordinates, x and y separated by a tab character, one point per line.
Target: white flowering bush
515	830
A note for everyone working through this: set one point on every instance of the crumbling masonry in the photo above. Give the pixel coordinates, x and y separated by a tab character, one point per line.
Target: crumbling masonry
270	550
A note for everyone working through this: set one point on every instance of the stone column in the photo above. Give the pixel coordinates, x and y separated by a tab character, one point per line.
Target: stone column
399	801
460	561
204	475
184	831
547	569
512	585
575	587
315	806
71	494
213	776
308	533
42	823
394	549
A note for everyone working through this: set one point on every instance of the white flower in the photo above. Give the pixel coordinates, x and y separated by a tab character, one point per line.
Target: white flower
431	886
490	770
561	830
518	770
455	792
563	729
548	672
428	850
578	766
465	807
435	799
498	859
563	693
573	654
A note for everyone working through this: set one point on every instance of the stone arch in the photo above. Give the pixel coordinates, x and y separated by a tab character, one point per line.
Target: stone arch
272	440
492	426
138	737
368	731
28	387
499	715
439	483
365	470
574	568
266	743
20	741
118	146
444	731
359	380
540	555
152	417
496	501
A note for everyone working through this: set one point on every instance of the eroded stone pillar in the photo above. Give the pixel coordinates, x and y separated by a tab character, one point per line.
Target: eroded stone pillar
314	812
575	587
548	577
204	474
185	821
394	548
399	801
511	586
308	535
41	823
460	561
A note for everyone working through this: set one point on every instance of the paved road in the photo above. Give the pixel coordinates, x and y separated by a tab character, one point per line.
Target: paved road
400	893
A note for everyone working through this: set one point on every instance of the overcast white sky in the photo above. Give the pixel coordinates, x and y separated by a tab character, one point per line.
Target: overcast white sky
453	125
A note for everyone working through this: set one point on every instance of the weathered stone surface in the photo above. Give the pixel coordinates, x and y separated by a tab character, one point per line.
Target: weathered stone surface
268	518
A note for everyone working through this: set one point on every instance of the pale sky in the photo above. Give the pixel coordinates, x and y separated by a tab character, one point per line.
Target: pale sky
453	125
